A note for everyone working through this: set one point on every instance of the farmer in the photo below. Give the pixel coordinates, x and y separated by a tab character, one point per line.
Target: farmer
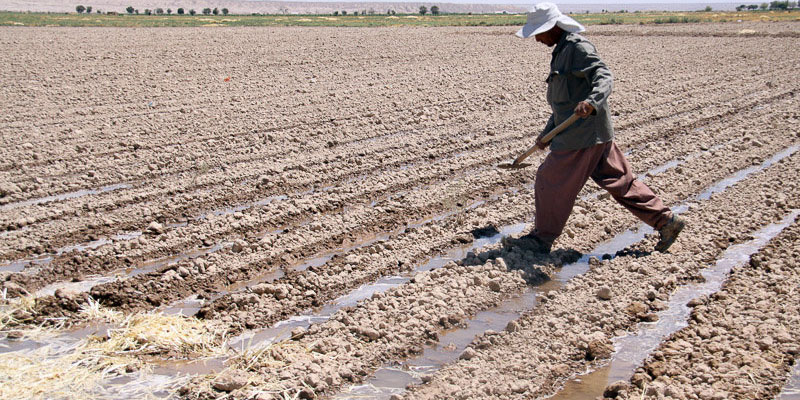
580	83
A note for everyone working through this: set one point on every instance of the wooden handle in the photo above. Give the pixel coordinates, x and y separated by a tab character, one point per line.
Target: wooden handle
548	137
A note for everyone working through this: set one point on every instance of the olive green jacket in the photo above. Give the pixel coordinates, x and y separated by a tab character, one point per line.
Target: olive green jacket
578	74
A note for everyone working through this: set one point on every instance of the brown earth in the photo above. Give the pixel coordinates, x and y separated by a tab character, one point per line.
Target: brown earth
741	342
372	151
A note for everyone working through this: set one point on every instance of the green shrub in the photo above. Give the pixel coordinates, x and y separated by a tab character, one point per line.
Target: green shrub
675	20
612	21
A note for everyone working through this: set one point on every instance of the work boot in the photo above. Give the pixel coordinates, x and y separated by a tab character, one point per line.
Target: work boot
669	233
529	242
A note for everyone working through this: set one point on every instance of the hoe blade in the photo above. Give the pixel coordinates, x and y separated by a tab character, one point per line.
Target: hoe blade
513	166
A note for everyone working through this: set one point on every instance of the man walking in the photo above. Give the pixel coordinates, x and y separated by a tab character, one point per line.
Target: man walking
580	83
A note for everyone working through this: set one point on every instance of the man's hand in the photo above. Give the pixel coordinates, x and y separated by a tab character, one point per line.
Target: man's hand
541	145
584	109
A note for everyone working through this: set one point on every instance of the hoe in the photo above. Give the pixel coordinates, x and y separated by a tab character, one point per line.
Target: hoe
518	164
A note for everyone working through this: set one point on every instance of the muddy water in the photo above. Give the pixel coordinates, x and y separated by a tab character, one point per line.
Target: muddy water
19	265
242	207
282	329
191	306
393	379
64	196
62	340
792	389
631	350
740	175
87	284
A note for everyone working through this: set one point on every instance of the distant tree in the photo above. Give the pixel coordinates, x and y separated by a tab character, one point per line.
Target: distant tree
80	9
129	9
216	11
206	11
88	9
224	11
708	8
159	11
752	7
423	10
740	7
136	11
363	12
435	10
192	12
779	5
336	13
764	6
180	11
147	11
344	12
169	11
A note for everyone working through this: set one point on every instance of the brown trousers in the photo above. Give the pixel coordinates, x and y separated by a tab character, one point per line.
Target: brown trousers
563	173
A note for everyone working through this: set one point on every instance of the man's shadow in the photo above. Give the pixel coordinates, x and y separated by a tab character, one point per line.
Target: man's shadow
520	254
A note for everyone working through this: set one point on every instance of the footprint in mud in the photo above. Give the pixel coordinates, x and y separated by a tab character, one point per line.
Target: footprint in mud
486	231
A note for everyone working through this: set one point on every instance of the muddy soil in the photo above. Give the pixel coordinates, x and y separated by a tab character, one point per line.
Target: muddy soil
741	342
574	326
307	174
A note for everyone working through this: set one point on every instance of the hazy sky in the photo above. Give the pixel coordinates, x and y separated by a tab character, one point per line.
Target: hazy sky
614	3
618	2
583	2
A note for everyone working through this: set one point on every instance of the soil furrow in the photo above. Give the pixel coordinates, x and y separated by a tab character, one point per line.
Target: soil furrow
740	342
575	324
324	368
337	277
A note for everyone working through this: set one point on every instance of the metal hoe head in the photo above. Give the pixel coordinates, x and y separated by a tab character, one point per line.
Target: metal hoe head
513	166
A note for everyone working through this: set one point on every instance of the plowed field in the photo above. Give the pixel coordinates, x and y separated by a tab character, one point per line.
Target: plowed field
317	213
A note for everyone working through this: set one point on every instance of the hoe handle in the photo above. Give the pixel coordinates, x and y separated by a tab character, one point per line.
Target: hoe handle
548	137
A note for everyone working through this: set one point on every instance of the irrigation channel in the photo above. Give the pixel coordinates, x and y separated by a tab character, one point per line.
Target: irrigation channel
190	305
491	319
631	350
64	196
393	379
792	389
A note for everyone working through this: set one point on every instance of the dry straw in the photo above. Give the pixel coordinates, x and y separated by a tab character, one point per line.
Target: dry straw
108	366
